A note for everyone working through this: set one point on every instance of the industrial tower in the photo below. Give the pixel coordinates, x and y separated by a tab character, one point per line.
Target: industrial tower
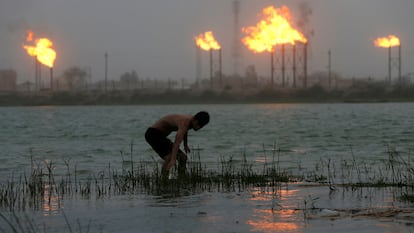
236	38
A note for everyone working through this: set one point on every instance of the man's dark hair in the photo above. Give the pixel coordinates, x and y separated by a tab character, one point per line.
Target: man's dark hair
202	117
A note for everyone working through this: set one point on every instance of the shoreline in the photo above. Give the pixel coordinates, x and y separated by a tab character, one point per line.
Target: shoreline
186	97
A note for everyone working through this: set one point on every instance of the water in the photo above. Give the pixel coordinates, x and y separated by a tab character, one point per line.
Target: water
300	135
94	136
225	212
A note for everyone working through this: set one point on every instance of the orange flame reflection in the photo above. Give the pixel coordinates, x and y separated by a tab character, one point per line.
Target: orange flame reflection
387	42
51	201
43	50
285	219
206	41
274	29
270	223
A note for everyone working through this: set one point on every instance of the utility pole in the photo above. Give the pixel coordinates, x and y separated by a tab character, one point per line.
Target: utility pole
294	65
106	71
198	66
329	68
236	37
399	64
272	67
305	65
283	65
389	66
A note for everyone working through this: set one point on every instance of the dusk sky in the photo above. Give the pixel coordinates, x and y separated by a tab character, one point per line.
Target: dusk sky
156	38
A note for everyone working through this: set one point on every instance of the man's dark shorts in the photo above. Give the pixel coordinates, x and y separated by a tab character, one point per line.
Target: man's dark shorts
161	144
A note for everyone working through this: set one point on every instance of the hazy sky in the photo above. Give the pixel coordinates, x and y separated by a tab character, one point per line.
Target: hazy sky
155	37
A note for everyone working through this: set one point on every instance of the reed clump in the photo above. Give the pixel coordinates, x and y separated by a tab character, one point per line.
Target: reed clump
395	170
43	187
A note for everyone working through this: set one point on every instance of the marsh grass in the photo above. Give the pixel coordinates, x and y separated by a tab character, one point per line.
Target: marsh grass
43	187
14	223
395	170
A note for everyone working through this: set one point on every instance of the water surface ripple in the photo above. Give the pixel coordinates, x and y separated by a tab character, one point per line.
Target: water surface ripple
300	134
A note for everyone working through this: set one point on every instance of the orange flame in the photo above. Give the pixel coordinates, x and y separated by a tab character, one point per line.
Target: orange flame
387	42
43	50
273	29
206	41
29	36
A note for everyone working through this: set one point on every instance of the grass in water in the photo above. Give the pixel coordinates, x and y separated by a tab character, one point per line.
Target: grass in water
42	186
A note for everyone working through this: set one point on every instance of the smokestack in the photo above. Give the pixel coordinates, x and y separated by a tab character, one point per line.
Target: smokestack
106	71
294	65
36	66
283	65
198	65
236	37
272	66
329	69
211	68
389	65
220	68
51	78
38	74
399	63
305	65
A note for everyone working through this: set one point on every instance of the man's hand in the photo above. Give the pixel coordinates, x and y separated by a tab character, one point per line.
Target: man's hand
171	164
186	149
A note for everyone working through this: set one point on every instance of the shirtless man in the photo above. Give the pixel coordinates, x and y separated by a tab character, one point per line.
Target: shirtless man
156	136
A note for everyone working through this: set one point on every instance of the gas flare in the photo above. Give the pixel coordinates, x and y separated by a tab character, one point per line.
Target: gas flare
273	29
29	36
207	42
387	42
42	50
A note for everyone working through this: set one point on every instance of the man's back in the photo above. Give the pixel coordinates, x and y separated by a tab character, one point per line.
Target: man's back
173	122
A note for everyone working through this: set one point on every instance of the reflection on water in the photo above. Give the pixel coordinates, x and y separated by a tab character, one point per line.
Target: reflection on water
256	211
282	216
270	108
275	221
51	202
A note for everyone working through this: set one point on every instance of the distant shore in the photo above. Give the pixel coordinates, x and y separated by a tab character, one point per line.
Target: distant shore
314	94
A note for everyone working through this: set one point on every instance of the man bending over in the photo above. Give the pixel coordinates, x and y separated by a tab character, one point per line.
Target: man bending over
157	134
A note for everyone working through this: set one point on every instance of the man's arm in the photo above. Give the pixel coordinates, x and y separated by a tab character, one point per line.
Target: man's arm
186	148
179	137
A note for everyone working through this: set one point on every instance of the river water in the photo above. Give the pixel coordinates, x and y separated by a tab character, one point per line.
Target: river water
300	134
93	136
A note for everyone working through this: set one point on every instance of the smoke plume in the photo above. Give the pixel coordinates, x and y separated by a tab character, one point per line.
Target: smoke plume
305	13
